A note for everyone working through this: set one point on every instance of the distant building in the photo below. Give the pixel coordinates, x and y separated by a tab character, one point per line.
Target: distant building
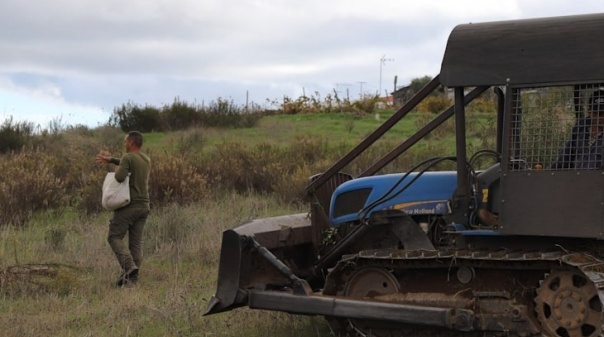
401	95
384	102
404	94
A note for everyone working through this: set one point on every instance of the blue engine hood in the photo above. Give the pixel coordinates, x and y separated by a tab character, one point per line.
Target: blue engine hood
429	194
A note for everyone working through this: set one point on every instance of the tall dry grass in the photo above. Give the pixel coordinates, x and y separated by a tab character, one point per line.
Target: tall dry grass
177	278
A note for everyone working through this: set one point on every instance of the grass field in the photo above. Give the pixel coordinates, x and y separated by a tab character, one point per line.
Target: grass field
279	129
64	286
346	129
177	278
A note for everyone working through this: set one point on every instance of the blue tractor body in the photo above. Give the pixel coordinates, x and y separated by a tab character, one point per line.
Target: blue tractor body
413	193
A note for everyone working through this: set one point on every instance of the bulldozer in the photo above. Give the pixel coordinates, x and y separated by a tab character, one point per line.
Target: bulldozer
511	249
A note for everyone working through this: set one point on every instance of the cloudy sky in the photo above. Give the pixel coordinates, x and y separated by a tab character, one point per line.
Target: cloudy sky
74	61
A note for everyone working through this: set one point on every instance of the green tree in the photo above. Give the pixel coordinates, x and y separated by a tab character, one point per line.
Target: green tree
418	83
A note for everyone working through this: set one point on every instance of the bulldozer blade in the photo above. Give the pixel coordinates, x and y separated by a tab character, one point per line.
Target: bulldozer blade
228	274
242	267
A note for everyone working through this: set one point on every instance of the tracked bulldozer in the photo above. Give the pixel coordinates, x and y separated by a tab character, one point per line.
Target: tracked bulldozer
511	249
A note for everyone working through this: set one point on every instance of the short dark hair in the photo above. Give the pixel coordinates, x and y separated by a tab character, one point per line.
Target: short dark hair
136	138
596	101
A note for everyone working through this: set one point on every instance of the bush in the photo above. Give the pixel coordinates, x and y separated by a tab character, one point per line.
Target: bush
88	196
190	142
15	135
26	186
111	137
224	113
295	106
366	104
233	167
434	104
267	168
133	117
329	104
175	180
484	103
182	115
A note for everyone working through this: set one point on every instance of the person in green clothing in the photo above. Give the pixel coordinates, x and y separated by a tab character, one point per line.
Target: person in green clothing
131	218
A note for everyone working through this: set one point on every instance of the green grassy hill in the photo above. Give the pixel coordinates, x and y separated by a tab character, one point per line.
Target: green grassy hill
349	129
282	129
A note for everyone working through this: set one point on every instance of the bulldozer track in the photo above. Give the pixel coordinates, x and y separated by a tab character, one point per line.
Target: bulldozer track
564	264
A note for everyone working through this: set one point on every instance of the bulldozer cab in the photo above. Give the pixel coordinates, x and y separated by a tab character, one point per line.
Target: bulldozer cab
551	173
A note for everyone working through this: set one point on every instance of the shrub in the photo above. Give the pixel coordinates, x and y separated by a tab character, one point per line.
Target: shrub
26	186
366	104
290	188
190	142
88	196
484	103
175	180
295	106
224	113
133	117
180	116
434	104
14	135
248	119
267	168
234	167
111	137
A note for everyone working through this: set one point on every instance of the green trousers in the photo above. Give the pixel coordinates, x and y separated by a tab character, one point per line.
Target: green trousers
131	221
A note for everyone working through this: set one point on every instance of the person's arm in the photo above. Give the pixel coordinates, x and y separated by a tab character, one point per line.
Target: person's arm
107	159
121	171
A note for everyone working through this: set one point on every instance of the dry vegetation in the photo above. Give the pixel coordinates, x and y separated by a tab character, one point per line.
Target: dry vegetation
57	270
77	297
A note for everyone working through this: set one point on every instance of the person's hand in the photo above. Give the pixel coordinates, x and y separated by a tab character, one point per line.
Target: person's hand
103	157
100	159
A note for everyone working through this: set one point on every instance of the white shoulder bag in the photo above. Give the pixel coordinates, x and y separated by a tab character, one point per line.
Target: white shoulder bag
115	194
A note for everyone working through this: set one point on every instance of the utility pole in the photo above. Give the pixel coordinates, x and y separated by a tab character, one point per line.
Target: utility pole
361	89
341	84
382	63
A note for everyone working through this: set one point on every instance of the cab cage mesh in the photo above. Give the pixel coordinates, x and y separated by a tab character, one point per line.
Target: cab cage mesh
556	128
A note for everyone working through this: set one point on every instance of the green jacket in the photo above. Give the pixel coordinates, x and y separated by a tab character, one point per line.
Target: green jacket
139	166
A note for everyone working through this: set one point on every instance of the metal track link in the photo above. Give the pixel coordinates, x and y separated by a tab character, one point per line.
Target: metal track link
583	263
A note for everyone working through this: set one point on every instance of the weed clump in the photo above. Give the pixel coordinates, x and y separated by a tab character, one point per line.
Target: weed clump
38	279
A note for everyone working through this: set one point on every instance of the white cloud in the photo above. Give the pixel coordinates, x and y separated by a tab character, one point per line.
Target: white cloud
44	103
100	54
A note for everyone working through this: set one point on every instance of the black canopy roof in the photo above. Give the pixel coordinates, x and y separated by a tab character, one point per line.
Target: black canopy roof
545	50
